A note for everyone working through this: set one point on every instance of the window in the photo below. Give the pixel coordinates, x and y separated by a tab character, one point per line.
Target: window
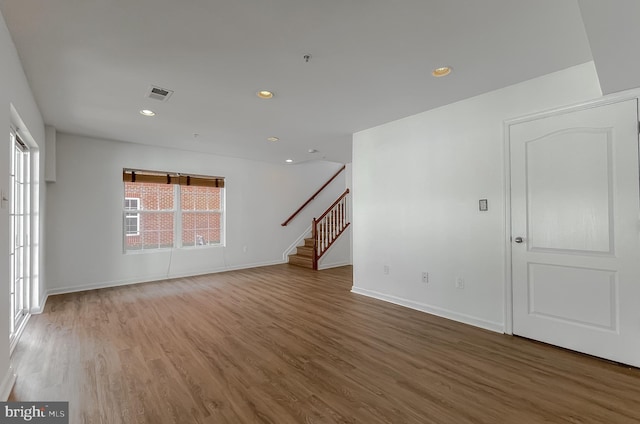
131	219
165	210
201	213
21	223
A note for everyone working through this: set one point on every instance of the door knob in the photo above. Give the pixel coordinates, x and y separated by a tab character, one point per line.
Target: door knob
518	240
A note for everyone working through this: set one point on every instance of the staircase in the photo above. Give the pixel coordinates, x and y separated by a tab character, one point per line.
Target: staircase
324	232
304	254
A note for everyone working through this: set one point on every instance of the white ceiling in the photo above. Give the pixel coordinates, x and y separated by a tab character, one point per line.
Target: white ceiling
90	63
614	32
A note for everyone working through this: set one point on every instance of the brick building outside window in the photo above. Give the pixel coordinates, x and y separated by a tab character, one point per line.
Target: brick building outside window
173	214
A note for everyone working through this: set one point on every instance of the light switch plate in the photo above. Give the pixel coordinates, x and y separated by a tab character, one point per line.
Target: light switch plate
483	205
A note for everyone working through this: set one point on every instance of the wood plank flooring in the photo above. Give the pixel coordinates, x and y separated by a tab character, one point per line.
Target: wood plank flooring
284	344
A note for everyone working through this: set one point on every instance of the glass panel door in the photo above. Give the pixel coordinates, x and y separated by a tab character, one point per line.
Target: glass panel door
20	217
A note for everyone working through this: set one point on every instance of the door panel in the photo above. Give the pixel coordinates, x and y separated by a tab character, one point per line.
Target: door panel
575	204
568	193
552	289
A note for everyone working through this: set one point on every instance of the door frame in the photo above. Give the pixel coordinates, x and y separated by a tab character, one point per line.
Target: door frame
508	271
34	301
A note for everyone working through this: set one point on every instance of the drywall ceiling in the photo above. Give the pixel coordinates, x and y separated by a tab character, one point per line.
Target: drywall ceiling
614	31
90	64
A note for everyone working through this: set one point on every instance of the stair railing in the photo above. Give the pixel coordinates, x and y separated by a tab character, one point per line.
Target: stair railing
284	224
327	228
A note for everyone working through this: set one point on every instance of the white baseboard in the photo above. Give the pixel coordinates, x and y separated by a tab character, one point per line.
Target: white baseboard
7	384
433	310
19	331
151	278
334	265
43	300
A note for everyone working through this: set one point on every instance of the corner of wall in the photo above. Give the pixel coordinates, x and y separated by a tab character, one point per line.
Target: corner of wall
50	154
6	385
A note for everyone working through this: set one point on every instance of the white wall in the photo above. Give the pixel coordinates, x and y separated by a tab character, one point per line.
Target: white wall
84	212
14	90
417	182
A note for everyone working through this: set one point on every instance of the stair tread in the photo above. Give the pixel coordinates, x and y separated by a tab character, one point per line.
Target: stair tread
306	251
299	260
295	255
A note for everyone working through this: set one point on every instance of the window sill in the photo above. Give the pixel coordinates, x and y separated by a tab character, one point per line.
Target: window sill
169	249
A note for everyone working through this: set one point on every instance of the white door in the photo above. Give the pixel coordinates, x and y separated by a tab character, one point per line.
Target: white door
575	231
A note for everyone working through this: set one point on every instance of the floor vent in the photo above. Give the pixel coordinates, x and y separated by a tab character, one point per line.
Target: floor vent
158	93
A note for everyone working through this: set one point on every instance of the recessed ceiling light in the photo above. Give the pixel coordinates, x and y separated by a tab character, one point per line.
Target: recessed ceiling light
289	160
147	112
441	72
264	94
272	139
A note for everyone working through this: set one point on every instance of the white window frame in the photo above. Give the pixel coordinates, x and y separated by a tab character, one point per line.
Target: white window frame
128	214
177	212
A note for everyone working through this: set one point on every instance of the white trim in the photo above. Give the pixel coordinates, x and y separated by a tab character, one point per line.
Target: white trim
152	278
602	101
172	249
21	129
508	285
334	265
7	384
433	310
40	309
18	334
590	104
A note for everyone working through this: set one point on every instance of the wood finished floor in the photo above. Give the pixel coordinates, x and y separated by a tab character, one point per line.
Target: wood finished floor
284	344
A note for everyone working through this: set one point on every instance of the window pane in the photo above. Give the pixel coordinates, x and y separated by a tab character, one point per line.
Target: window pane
150	197
188	237
131	203
131	224
149	237
148	228
213	202
165	197
201	216
194	198
156	230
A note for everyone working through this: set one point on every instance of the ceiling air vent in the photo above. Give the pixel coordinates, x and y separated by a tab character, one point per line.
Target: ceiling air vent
157	93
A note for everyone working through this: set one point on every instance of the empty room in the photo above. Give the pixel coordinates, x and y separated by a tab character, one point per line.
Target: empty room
224	211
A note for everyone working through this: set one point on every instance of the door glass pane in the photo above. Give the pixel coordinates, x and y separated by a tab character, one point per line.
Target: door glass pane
20	224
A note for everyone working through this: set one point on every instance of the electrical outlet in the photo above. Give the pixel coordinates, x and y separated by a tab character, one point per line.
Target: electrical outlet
460	283
386	270
425	277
